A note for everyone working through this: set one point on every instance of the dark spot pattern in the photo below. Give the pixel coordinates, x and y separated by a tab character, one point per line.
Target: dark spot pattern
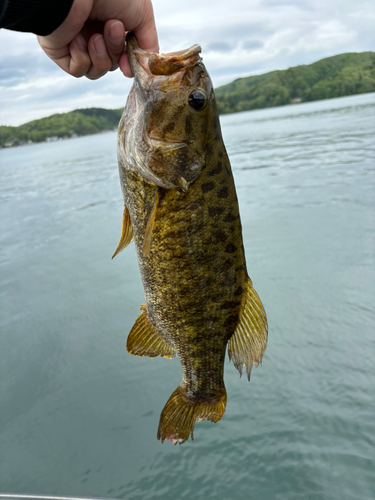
238	291
224	267
219	236
230	218
169	127
230	304
231	320
207	186
230	248
241	268
223	193
212	211
216	170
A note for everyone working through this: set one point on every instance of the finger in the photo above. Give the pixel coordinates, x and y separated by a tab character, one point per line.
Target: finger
147	38
80	61
114	38
101	62
74	58
146	33
124	65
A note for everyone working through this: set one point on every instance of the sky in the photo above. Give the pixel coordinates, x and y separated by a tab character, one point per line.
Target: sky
238	38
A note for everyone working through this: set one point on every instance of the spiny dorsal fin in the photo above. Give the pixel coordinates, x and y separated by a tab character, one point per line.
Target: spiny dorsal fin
249	341
150	225
143	340
126	232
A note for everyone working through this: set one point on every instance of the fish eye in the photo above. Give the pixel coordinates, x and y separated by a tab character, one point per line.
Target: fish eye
197	99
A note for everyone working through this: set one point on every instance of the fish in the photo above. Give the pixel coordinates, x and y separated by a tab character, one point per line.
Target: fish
181	210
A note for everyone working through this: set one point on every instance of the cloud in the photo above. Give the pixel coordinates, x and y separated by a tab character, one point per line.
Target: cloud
252	44
219	47
238	39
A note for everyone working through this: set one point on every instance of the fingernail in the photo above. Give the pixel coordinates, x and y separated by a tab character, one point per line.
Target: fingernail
117	33
100	48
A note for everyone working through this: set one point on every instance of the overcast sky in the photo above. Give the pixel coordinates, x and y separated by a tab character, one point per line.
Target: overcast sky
238	38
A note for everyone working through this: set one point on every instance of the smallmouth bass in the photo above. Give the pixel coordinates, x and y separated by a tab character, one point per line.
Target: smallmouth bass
181	209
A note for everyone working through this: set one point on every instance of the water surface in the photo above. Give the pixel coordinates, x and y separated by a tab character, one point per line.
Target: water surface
78	416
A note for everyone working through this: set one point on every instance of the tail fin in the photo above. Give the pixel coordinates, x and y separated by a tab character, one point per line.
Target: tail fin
181	412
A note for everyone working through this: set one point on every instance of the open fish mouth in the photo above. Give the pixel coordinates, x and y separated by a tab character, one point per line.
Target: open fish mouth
154	74
145	63
168	156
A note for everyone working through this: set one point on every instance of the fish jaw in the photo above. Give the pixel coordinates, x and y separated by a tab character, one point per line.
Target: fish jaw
146	65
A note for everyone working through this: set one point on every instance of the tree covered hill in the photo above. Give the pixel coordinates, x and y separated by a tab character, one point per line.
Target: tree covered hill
62	125
336	76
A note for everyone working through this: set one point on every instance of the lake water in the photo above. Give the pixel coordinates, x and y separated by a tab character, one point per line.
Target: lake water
78	415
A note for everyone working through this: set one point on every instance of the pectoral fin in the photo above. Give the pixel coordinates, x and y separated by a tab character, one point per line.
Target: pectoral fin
150	225
143	340
126	232
249	341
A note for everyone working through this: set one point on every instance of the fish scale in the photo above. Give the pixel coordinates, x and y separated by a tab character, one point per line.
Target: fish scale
181	209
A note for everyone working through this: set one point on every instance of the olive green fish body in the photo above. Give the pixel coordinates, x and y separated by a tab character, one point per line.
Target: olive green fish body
181	209
193	277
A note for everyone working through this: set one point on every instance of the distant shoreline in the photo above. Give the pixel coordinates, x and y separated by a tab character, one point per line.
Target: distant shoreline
337	76
58	139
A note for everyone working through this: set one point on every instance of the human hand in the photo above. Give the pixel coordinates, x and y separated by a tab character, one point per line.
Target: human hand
91	40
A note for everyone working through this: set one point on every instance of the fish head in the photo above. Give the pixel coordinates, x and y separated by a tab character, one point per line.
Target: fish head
168	117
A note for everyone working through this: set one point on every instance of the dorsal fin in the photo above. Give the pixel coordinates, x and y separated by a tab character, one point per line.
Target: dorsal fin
150	225
249	341
126	232
143	340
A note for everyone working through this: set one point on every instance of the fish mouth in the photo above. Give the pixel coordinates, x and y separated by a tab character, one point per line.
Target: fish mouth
154	76
146	64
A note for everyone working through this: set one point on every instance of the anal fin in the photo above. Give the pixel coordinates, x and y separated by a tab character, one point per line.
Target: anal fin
126	232
248	343
143	340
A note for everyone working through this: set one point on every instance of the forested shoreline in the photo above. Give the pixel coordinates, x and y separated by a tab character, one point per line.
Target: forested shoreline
336	76
61	126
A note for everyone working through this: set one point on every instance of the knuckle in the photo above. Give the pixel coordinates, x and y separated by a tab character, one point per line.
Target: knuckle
95	75
78	71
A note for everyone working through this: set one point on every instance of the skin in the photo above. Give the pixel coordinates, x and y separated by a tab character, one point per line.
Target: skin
91	40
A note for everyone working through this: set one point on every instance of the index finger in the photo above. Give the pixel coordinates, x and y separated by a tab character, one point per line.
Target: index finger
146	33
147	38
